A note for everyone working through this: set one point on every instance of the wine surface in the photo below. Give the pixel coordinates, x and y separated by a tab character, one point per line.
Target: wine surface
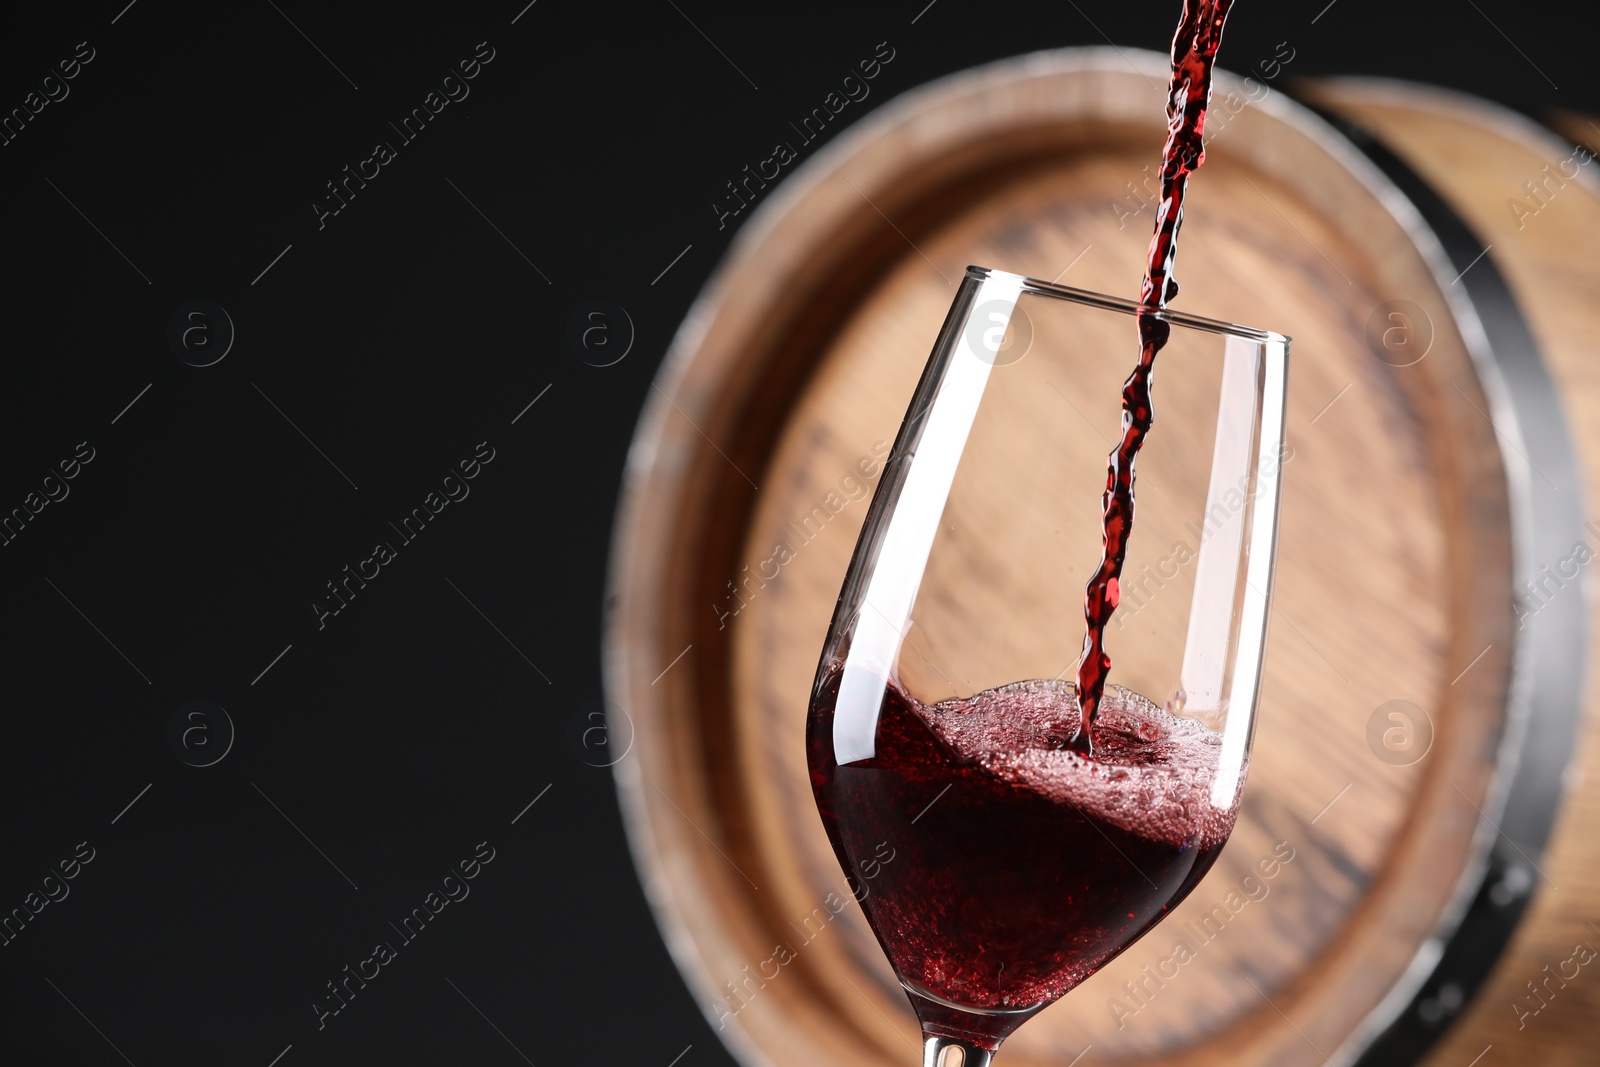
1194	50
1019	865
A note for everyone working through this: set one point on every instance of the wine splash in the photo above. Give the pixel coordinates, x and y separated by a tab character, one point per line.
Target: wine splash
1194	50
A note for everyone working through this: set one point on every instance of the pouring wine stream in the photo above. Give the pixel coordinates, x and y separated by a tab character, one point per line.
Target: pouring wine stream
1194	50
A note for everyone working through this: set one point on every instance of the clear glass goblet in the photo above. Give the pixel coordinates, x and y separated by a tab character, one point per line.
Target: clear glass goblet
944	725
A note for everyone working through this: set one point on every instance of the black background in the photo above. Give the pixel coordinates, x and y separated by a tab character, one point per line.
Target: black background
454	688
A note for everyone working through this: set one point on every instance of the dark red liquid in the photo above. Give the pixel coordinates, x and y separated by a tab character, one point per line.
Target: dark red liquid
1019	866
1194	48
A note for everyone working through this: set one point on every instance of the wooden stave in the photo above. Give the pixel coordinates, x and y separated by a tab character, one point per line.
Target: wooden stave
704	417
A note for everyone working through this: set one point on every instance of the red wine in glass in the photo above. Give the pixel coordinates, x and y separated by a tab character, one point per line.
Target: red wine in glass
1020	866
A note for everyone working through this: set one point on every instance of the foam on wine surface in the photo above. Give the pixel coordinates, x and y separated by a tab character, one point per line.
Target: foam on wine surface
1150	773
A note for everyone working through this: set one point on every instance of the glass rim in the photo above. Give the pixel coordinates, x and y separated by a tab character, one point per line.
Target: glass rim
1128	307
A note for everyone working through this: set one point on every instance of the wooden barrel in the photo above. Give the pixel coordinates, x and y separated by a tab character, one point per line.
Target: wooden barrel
1426	664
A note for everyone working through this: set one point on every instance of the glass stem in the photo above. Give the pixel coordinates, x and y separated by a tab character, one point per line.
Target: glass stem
950	1052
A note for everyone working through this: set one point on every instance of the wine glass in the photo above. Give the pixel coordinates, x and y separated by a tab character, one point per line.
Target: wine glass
1008	862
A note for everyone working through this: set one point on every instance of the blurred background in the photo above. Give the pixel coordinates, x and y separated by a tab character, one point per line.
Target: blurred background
385	732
